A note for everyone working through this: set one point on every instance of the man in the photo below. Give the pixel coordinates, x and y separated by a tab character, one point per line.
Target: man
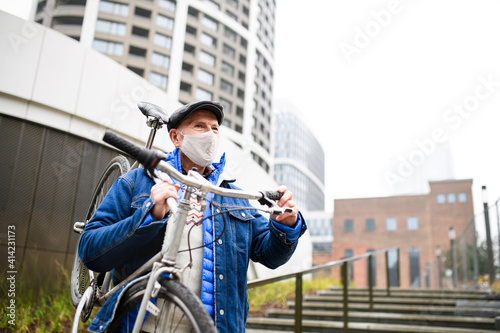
128	227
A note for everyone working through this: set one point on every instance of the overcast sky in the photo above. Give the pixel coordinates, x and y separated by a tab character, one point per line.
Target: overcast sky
377	77
385	80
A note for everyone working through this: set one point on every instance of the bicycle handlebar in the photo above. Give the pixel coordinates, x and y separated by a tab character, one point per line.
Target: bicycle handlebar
152	159
148	158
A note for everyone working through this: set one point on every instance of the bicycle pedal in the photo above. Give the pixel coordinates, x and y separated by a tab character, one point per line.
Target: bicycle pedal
153	309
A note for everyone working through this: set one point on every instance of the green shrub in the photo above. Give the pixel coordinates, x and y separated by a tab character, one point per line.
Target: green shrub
41	305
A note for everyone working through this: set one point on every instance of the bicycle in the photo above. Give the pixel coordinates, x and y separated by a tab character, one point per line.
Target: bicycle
164	303
81	277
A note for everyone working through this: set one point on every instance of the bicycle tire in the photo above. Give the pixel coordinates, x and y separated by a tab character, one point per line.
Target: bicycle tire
80	275
188	311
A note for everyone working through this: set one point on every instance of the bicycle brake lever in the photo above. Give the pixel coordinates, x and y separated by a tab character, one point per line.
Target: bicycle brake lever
280	210
268	198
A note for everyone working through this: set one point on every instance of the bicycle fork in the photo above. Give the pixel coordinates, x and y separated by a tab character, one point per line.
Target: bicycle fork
171	244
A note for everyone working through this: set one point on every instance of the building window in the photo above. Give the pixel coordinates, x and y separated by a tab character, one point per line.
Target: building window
440	198
226	86
391	224
227	105
241	94
233	3
370	225
167	4
392	262
243	42
162	40
452	198
230	34
140	32
209	23
208	40
414	254
203	95
108	47
187	69
228	51
138	71
239	111
213	5
206	58
142	13
241	76
112	28
243	59
193	13
185	88
191	31
227	69
189	49
412	223
161	60
165	22
137	52
205	77
348	225
158	80
231	15
462	197
323	247
113	8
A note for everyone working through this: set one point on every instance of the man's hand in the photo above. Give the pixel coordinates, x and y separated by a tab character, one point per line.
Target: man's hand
288	219
159	194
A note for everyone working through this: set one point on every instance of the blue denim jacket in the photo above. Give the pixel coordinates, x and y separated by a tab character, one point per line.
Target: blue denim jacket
115	240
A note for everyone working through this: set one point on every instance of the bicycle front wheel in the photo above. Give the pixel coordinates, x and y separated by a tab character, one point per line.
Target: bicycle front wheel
80	275
180	310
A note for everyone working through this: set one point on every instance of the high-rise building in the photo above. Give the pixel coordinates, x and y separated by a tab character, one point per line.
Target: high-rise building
300	165
192	49
300	159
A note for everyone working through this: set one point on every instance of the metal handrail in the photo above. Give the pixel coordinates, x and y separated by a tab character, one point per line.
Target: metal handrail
342	262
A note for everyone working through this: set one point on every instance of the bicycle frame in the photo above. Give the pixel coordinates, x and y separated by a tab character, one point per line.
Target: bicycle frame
173	234
155	120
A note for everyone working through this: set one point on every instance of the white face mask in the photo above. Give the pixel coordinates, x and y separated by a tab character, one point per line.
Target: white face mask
200	148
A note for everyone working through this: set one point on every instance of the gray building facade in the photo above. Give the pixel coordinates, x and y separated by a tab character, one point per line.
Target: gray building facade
193	50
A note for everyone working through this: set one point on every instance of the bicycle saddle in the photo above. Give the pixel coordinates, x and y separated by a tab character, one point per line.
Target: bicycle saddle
152	110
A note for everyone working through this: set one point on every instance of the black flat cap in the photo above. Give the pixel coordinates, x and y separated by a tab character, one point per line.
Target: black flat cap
180	114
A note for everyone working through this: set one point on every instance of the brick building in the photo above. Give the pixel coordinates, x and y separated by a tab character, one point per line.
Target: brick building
417	224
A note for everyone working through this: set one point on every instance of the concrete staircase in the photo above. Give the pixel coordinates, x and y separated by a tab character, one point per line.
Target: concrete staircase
405	310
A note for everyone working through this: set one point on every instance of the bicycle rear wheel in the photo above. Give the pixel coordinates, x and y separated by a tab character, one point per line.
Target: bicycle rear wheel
180	310
80	275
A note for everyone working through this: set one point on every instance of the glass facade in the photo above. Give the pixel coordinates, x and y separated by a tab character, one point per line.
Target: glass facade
320	229
300	160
